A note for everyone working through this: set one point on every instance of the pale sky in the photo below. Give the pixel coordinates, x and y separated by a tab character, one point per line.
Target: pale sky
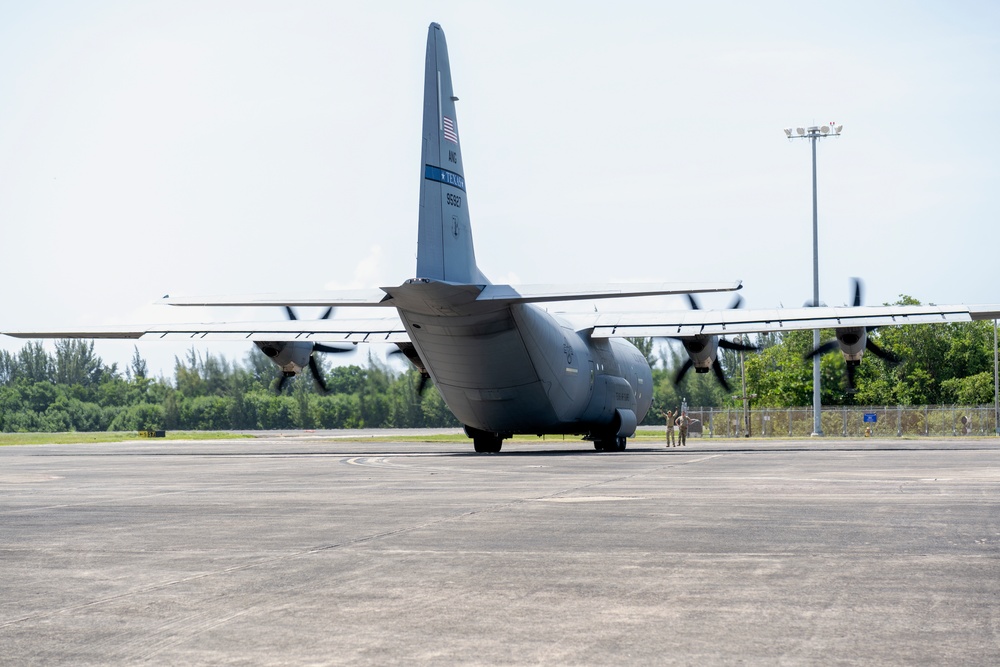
197	148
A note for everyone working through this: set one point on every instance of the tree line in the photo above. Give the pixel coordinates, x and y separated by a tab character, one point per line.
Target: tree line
72	389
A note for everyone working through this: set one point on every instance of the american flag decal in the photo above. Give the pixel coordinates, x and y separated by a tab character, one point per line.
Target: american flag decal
448	126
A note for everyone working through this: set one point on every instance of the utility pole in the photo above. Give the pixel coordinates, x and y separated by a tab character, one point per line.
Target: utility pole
814	134
745	397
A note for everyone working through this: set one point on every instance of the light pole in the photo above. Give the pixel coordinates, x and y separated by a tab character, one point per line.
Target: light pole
814	134
996	382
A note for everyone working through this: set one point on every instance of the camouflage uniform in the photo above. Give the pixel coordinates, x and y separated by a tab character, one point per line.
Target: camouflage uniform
670	427
682	428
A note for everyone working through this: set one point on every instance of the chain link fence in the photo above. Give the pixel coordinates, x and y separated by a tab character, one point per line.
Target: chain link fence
850	422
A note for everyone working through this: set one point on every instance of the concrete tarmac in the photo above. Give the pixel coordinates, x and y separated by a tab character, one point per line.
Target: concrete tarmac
313	550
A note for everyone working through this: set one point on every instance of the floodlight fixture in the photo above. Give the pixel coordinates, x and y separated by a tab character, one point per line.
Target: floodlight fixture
825	129
788	132
800	131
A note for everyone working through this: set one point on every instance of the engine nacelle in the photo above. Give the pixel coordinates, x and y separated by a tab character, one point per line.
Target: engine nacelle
410	352
290	356
702	350
852	341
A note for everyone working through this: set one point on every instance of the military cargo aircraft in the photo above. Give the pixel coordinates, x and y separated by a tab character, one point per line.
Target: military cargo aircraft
502	363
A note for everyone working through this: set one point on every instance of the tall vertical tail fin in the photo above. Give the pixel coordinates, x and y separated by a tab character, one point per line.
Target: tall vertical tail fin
444	240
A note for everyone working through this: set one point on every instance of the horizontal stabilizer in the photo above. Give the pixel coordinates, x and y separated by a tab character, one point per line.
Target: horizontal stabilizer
586	292
335	298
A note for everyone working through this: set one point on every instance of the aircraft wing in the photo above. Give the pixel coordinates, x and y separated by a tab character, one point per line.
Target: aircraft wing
740	321
339	330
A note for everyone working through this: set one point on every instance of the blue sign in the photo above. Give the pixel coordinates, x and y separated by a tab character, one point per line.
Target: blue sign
871	417
444	176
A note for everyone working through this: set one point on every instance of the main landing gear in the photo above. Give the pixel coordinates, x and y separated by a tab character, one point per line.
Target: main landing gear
484	442
488	444
615	444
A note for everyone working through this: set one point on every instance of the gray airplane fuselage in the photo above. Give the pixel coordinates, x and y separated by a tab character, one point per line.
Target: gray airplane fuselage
514	368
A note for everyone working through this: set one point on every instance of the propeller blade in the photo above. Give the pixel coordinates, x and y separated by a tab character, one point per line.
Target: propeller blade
850	379
694	302
828	346
282	379
330	349
737	302
857	291
424	378
717	367
734	345
881	353
317	376
327	313
683	371
290	313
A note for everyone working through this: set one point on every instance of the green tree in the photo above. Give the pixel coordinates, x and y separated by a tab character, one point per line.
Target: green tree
76	363
34	363
138	369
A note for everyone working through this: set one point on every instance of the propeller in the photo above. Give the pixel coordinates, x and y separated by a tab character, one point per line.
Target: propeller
298	350
701	348
410	352
853	341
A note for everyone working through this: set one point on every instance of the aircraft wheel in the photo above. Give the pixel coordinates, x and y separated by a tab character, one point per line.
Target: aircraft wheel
621	444
487	444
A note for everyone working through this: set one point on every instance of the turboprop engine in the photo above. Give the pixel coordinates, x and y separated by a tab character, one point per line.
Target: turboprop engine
292	357
703	350
853	341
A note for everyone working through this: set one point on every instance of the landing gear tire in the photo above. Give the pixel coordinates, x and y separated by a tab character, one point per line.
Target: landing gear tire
487	444
610	445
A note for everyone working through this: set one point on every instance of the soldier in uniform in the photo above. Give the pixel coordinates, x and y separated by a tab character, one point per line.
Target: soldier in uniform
669	415
683	421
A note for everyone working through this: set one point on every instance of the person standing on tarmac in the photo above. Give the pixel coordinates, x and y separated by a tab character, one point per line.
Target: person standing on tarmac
683	421
669	415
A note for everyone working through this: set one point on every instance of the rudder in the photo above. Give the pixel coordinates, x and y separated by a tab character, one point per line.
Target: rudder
444	240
